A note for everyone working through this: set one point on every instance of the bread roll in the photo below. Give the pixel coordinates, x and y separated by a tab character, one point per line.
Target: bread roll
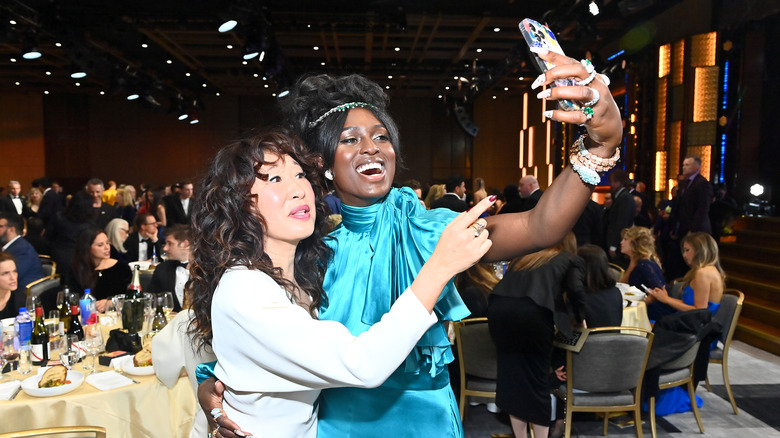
143	358
54	376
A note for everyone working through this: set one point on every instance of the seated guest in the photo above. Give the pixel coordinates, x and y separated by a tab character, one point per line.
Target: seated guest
11	298
94	268
142	243
34	235
118	231
603	301
64	230
172	274
474	285
28	264
644	267
704	283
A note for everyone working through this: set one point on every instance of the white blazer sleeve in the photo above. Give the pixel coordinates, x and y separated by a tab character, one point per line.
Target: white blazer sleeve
264	343
167	350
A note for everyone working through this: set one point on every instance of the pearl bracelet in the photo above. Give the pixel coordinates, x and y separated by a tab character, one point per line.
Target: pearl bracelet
587	165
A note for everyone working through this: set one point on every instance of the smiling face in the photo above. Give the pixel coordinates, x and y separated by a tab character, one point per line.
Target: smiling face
364	162
100	248
285	200
8	276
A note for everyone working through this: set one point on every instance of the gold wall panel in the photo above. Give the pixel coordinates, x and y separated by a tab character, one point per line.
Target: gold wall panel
705	94
703	49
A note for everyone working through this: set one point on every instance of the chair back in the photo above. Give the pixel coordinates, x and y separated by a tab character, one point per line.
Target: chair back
38	287
611	360
685	360
616	271
97	432
728	313
476	350
49	266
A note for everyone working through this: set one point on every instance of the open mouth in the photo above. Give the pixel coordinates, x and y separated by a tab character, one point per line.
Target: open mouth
302	211
370	169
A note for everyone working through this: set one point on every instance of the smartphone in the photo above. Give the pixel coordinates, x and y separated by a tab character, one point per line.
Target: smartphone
646	289
539	35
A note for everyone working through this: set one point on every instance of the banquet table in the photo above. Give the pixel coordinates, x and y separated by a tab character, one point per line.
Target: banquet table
635	315
146	409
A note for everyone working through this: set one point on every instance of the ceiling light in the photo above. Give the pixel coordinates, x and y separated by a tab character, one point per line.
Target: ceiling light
284	93
496	29
227	26
194	120
133	96
31	53
78	73
593	8
261	57
479	50
250	53
183	115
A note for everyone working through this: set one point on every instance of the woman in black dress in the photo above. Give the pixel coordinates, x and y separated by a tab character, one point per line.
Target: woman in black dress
539	292
95	269
603	301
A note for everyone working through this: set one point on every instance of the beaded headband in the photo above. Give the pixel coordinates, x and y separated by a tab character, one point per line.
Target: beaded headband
342	107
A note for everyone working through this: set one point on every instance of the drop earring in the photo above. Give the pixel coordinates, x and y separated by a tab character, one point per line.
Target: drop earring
329	175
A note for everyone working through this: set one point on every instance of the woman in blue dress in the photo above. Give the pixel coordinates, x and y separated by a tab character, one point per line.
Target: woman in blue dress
386	236
703	287
644	268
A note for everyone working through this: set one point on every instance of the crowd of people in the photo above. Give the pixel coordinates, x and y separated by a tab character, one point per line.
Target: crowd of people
339	328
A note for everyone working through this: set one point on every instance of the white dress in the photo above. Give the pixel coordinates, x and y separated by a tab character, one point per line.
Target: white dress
172	350
275	358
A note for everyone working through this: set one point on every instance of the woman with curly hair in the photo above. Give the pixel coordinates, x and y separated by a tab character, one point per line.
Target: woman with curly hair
259	260
644	267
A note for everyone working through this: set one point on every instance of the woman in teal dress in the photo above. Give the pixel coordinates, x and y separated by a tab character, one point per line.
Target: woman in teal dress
386	235
703	287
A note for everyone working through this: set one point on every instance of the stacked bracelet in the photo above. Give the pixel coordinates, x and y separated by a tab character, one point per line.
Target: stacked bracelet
588	165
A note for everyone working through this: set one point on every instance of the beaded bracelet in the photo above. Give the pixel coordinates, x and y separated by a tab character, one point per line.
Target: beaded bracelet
588	165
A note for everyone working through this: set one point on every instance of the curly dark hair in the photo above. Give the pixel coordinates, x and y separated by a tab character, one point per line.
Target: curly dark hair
314	95
83	263
228	231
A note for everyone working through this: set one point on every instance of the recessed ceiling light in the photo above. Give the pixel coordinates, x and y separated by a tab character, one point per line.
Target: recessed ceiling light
479	50
397	49
316	48
229	46
169	61
187	74
58	44
496	29
145	46
227	26
45	91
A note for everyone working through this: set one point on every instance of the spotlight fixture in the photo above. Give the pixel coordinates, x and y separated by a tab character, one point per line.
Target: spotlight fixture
227	26
593	8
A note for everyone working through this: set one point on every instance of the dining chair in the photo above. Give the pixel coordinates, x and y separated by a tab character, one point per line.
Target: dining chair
606	375
678	372
727	315
616	271
477	356
38	287
99	432
49	266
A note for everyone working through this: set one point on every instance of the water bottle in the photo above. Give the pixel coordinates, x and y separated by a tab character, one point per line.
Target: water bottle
87	306
155	259
24	326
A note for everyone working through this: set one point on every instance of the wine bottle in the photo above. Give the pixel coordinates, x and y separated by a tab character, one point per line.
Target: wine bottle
160	320
39	339
65	310
133	308
75	326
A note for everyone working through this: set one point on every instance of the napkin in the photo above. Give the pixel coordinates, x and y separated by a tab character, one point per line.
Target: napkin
8	389
108	380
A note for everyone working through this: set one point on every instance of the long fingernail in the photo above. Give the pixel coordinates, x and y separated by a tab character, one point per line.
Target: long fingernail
538	81
492	198
239	433
548	114
544	94
539	50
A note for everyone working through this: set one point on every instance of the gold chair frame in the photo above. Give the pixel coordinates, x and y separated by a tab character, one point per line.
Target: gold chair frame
724	359
689	355
464	390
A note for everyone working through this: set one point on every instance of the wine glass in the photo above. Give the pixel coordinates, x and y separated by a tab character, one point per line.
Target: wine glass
167	304
10	352
93	340
32	301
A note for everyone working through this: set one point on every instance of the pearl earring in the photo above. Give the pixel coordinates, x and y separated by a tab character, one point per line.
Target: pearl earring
329	174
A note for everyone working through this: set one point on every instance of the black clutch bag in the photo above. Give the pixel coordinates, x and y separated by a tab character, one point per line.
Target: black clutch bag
122	340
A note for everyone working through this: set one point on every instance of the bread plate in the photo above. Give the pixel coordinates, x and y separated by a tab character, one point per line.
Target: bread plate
126	365
30	385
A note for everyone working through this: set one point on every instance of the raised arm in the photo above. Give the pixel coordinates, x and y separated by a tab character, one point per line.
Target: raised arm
557	211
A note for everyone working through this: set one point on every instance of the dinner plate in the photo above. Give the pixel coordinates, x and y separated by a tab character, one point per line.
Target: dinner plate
144	266
30	385
126	364
634	294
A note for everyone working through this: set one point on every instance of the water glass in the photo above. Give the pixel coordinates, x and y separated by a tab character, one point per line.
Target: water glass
25	359
88	363
167	304
69	358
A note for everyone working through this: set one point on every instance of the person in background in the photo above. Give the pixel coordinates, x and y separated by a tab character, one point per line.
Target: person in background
125	204
109	195
34	235
480	192
529	191
644	268
589	227
434	193
11	297
51	203
172	274
454	197
619	216
416	187
178	206
94	268
513	201
142	243
603	300
474	286
118	230
14	202
103	211
28	263
34	199
65	229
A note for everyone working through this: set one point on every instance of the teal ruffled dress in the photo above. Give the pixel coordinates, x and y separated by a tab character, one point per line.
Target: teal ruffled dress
378	250
675	400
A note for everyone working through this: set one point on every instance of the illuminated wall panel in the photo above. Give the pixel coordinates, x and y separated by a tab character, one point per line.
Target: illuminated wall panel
660	111
660	171
521	150
531	146
678	64
664	60
705	152
705	94
703	49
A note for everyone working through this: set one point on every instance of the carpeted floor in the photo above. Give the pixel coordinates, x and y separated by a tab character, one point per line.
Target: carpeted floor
760	401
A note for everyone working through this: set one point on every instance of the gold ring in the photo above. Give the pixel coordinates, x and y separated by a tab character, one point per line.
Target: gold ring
478	227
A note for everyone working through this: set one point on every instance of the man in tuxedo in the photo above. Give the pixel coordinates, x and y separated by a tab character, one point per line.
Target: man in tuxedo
28	265
619	216
14	202
172	275
453	199
143	243
50	203
530	192
103	211
179	205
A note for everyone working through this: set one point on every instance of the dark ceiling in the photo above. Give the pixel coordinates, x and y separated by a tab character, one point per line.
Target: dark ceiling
168	48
